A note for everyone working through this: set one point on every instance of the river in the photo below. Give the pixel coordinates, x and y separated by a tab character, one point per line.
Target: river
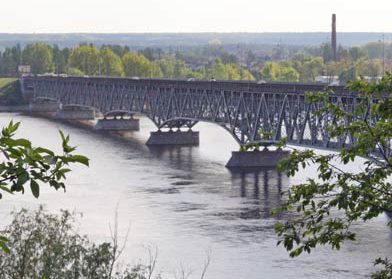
184	202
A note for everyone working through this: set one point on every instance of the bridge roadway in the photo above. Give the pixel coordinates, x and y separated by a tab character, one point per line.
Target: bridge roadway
241	108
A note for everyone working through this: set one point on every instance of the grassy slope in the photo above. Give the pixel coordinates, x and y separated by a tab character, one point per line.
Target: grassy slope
10	92
5	81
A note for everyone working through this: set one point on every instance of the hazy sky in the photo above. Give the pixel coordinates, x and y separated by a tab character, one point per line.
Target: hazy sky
115	16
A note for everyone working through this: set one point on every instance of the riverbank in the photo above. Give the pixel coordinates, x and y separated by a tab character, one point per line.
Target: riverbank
11	94
23	108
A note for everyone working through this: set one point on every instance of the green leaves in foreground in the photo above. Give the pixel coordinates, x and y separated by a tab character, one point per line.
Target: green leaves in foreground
33	166
327	205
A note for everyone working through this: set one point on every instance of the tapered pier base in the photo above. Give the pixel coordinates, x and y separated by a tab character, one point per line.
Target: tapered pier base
117	125
66	114
173	138
252	159
50	107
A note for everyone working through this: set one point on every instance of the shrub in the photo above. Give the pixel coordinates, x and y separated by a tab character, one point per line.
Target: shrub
44	245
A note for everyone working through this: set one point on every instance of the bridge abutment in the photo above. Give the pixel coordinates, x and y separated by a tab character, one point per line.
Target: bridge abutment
254	159
117	125
75	114
173	138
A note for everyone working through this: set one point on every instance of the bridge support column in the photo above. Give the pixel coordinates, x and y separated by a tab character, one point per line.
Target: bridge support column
75	114
173	138
44	108
117	125
254	159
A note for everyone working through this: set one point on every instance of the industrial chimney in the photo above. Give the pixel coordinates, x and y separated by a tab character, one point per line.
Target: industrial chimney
333	43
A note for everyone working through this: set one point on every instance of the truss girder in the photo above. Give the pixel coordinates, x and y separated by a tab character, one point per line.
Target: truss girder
285	113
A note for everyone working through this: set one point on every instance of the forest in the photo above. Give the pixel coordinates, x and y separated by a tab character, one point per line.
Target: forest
280	63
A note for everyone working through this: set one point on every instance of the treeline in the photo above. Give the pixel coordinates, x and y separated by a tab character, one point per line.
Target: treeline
113	60
213	61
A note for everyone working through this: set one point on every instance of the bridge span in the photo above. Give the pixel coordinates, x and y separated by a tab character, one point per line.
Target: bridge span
243	109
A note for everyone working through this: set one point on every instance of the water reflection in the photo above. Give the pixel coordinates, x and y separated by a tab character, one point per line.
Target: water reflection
184	201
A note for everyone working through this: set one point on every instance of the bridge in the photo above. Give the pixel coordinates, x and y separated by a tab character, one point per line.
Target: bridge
242	109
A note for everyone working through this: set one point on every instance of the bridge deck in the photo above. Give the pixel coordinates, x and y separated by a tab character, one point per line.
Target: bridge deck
241	108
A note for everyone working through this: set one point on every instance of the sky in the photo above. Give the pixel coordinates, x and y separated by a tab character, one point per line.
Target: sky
140	16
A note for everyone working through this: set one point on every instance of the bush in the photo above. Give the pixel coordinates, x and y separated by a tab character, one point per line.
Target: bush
45	245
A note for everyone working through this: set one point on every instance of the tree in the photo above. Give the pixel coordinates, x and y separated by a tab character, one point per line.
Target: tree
348	74
60	58
328	206
39	57
218	71
313	68
46	245
86	59
283	72
357	53
27	165
135	64
233	72
8	63
167	65
111	64
269	71
74	72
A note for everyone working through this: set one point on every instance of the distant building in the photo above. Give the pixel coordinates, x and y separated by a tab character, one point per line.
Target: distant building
24	69
332	80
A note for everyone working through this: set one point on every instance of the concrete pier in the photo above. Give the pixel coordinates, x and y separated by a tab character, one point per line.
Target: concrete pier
117	125
50	107
68	114
173	138
253	159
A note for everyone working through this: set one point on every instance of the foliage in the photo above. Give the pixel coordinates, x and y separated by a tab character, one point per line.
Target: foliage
86	59
279	72
39	57
218	71
137	65
27	166
11	94
329	205
74	72
46	245
111	64
348	75
240	62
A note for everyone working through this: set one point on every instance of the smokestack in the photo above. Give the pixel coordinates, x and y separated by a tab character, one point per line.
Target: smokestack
333	43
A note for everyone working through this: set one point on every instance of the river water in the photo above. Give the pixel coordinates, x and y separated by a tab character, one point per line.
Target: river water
185	203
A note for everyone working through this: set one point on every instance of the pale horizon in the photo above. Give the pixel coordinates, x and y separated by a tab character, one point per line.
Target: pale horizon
202	16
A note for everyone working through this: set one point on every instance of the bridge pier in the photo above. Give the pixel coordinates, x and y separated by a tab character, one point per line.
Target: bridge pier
254	159
173	138
114	124
75	114
44	107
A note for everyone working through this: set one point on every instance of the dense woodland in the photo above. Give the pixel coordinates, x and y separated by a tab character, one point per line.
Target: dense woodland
212	61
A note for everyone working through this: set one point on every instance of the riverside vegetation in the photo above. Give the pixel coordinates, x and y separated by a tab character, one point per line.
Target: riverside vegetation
282	63
11	93
329	205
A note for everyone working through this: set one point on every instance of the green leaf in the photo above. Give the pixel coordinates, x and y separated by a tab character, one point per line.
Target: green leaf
62	135
23	142
79	159
44	150
34	188
4	247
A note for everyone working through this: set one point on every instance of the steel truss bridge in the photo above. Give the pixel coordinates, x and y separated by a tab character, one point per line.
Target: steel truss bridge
241	108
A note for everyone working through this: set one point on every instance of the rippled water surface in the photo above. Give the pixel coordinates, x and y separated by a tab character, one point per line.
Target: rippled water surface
185	202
